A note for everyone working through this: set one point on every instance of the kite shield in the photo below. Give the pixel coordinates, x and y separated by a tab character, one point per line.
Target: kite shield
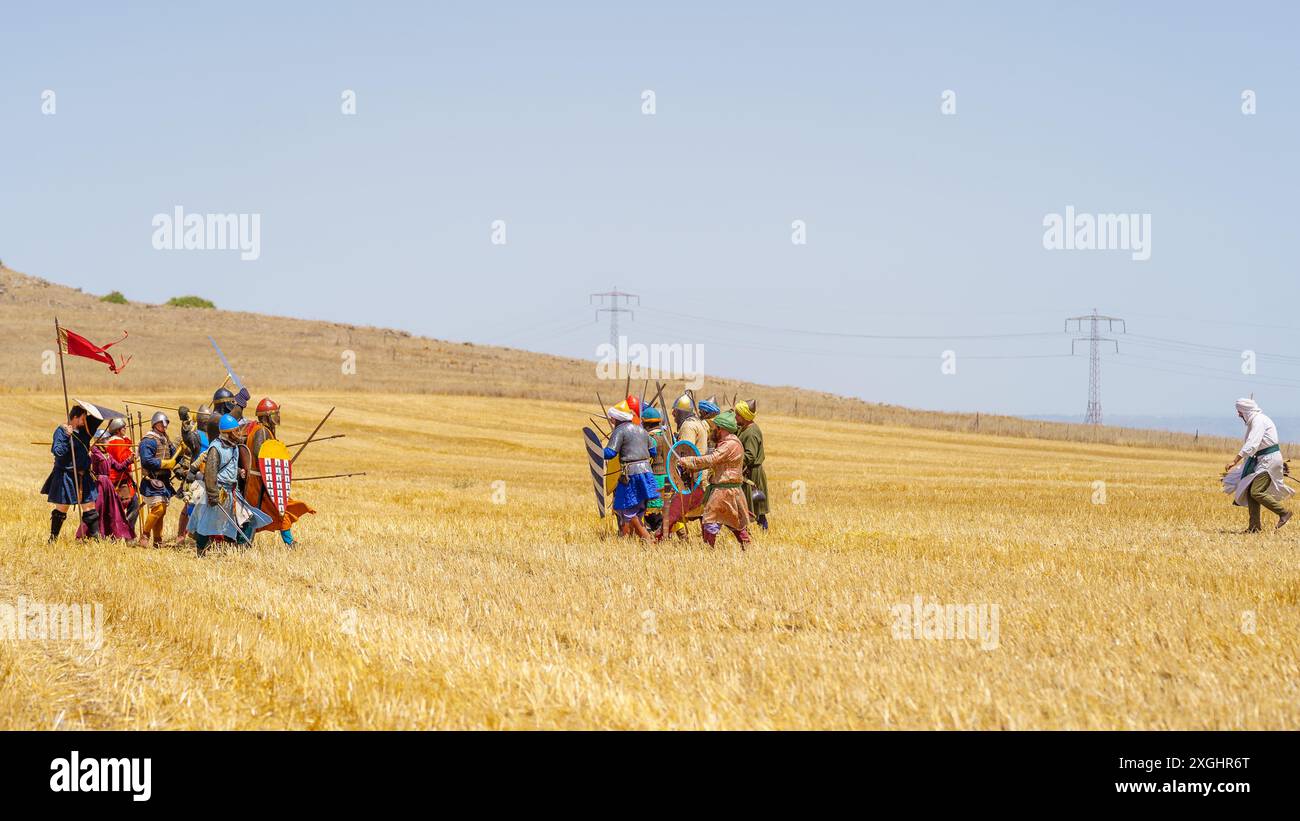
600	483
277	471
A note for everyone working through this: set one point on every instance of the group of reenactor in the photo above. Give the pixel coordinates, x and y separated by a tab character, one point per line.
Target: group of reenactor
123	487
710	469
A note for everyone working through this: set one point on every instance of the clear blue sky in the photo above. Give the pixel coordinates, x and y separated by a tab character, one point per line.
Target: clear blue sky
918	223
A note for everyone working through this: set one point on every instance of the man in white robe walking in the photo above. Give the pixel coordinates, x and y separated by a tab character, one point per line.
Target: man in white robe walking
1258	482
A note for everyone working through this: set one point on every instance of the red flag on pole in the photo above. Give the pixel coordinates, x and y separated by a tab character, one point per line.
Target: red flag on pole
77	345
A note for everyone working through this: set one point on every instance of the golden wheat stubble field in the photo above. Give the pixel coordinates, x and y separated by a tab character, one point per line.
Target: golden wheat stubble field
415	601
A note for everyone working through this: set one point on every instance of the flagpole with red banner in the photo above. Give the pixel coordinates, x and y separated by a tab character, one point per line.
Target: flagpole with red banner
72	444
75	344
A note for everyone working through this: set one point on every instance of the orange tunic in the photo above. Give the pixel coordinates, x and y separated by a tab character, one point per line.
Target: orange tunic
726	466
120	448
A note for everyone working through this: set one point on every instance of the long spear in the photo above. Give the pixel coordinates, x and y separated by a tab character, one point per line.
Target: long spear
668	423
322	439
135	441
659	394
130	432
72	443
140	430
309	438
293	445
331	476
92	444
151	405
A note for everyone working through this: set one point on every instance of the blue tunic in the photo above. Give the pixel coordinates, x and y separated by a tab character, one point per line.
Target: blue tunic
150	462
61	485
636	491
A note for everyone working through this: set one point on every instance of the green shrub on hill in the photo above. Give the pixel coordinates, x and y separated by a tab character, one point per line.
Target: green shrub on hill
190	302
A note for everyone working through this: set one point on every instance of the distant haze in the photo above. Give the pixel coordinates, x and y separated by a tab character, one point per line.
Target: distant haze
919	149
1228	424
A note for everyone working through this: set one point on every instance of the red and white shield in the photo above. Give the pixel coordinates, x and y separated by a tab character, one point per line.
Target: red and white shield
277	471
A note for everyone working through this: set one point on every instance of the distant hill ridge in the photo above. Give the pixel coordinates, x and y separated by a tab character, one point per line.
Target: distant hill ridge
170	352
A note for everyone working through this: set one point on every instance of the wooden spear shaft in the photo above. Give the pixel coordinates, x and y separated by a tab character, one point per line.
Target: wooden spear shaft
322	439
151	405
72	443
309	438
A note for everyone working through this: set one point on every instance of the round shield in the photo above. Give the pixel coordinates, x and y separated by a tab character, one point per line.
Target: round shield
699	475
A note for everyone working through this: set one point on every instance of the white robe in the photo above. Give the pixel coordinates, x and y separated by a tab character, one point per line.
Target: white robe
1260	433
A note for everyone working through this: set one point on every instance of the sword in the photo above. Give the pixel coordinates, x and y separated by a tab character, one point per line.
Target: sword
242	396
230	518
225	363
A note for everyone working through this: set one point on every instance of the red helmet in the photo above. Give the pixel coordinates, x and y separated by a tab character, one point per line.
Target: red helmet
267	406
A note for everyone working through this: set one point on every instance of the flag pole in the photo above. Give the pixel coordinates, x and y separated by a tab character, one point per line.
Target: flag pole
72	445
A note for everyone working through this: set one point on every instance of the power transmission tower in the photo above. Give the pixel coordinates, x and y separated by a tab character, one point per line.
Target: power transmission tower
611	299
1094	340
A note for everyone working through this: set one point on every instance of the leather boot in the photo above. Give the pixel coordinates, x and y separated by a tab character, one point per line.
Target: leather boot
90	518
57	518
133	511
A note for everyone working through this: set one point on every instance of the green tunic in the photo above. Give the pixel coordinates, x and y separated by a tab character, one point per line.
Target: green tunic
752	440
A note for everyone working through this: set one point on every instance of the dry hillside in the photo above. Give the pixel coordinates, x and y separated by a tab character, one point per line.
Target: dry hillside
170	351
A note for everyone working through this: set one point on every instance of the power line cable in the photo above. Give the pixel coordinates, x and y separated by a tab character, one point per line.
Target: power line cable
846	334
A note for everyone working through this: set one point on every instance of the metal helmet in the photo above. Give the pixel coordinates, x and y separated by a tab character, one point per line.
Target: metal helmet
268	410
116	425
227	423
223	400
159	416
684	403
204	413
709	407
